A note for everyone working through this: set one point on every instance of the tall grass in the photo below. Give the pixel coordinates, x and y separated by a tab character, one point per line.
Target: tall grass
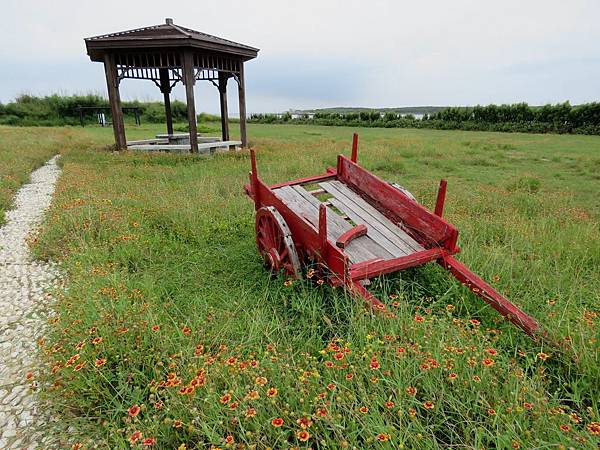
172	334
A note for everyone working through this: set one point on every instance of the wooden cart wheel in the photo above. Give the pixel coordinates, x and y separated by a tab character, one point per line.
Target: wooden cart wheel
275	244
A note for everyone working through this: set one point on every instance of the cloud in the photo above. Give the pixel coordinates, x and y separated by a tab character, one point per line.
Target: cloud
330	52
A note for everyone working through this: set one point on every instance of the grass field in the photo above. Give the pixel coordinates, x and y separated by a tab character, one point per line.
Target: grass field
171	332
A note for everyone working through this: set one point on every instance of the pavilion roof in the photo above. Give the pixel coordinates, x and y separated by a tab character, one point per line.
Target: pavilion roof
167	35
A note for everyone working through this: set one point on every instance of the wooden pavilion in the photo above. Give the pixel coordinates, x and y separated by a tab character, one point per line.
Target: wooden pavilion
167	54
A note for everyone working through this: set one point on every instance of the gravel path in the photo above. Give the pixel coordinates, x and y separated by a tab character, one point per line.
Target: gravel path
22	298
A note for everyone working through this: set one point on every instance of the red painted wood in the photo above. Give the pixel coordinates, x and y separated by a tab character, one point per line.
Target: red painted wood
441	198
480	288
364	271
307	180
348	236
429	228
354	157
323	230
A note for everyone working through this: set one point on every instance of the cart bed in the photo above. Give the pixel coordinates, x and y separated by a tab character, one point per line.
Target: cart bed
384	239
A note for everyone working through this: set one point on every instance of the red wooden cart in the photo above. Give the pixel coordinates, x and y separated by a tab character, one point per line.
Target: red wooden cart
357	227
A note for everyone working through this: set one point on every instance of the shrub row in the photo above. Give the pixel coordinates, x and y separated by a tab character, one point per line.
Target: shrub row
560	118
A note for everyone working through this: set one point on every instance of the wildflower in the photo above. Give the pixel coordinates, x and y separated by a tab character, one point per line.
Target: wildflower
277	422
97	340
491	351
310	273
331	387
474	322
363	409
186	330
100	362
136	436
79	366
412	412
303	435
349	376
261	381
250	412
476	379
149	442
322	412
253	395
419	318
488	362
288	282
565	428
224	399
452	376
304	422
496	278
383	437
543	356
134	410
491	412
77	446
527	405
339	356
329	364
594	428
158	405
233	405
320	282
374	364
428	405
155	327
411	390
516	445
389	404
450	307
177	424
229	440
272	392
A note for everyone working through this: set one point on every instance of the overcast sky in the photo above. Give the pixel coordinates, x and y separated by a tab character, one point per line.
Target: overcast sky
377	53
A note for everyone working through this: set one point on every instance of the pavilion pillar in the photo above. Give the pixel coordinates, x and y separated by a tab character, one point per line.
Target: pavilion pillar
242	103
189	80
165	88
112	83
223	100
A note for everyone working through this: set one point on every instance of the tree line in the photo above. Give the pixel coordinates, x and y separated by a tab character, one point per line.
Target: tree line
519	117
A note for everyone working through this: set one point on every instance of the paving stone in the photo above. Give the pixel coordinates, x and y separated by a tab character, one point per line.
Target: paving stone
23	298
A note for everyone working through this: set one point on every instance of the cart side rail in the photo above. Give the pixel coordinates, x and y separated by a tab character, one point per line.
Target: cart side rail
397	206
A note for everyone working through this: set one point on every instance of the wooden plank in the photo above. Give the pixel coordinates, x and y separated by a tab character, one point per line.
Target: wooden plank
356	251
365	241
372	232
395	204
372	217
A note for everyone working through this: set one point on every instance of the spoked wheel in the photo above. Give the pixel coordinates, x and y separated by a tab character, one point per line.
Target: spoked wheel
275	244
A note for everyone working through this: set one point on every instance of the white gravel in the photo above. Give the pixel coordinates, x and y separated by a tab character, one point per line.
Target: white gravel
23	283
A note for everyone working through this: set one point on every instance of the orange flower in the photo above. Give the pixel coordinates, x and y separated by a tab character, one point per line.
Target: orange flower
363	409
79	366
233	405
383	437
411	390
77	446
419	318
491	412
229	440
177	424
412	412
476	379
565	428
474	322
339	356
303	435
374	365
253	395
134	410
186	330
272	392
331	387
527	405
452	376
155	327
136	436
225	399
322	412
100	362
389	404
428	405
594	428
491	351
329	364
543	356
29	376
261	381
97	340
488	362
304	422
349	376
277	422
250	412
149	442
